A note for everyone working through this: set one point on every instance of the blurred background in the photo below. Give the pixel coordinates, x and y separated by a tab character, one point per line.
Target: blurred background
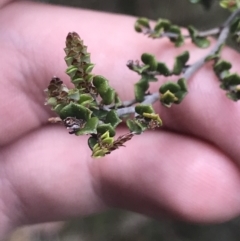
116	225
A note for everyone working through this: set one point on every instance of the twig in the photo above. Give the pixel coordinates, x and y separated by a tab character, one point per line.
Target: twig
224	32
206	33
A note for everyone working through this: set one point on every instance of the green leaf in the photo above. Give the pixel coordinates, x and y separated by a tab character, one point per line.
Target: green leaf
102	128
89	128
162	25
153	116
101	114
150	60
180	96
169	86
234	95
183	85
141	69
68	60
179	41
168	98
74	94
89	77
139	89
86	59
134	127
58	108
149	78
113	118
142	24
231	80
71	71
101	84
163	69
180	62
52	101
85	99
88	68
222	65
201	42
108	97
92	141
117	100
77	80
75	110
108	141
142	108
100	153
105	135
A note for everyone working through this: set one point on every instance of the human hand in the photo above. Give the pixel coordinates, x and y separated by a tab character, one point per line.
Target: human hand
189	170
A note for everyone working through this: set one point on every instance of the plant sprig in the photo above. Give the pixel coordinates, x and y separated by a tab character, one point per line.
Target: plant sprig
92	107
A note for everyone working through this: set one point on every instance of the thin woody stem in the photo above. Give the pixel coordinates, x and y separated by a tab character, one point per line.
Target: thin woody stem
207	33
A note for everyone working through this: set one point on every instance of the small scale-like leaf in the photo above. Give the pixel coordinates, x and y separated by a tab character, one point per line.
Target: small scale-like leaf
85	99
163	69
77	81
108	141
52	101
101	114
108	96
86	59
117	100
113	118
142	24
75	110
134	127
92	141
150	60
71	71
183	85
142	108
162	24
149	78
74	94
168	98
105	135
221	66
180	96
58	108
169	86
68	60
153	116
89	67
234	95
179	41
89	77
103	128
139	90
201	42
89	128
101	84
99	153
180	62
231	80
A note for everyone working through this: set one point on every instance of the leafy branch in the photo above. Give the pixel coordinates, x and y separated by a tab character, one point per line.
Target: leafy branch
92	107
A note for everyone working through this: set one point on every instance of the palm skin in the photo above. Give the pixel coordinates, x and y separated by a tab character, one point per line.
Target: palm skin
189	170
